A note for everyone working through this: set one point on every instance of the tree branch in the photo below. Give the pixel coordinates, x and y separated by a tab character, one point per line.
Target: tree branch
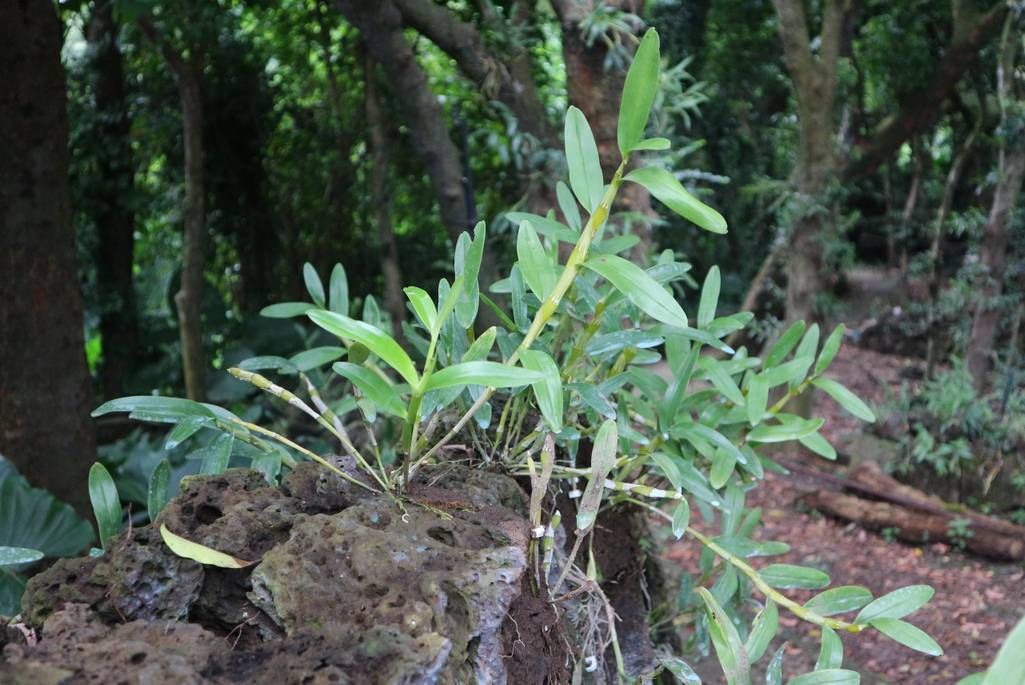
919	109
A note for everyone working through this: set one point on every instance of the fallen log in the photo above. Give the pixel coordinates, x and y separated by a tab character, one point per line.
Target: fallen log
917	526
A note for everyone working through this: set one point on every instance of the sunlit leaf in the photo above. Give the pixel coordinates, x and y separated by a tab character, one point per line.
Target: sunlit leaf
896	604
490	374
376	389
373	338
839	600
908	635
788	576
537	269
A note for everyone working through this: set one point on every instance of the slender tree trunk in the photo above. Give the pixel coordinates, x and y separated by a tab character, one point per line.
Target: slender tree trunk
115	221
189	298
908	213
45	389
381	202
1011	172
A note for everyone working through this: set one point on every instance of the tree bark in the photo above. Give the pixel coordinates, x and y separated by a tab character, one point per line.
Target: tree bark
380	200
111	210
188	73
380	24
45	389
993	254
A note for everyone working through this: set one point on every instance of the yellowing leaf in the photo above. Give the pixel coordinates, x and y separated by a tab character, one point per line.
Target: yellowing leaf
197	552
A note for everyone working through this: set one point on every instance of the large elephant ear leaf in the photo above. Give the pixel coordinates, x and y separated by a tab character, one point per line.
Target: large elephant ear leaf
33	518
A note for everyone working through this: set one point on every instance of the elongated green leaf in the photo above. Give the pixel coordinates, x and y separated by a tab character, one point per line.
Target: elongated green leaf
490	374
908	635
448	299
721	379
106	503
201	553
723	464
787	576
154	404
774	671
757	399
373	338
468	258
762	631
286	310
896	604
839	600
603	459
639	288
653	144
831	676
819	445
791	428
545	226
156	495
681	518
268	362
787	371
375	388
680	670
313	284
845	398
829	350
538	271
709	297
14	556
338	291
585	175
1008	667
667	190
638	93
699	431
568	205
217	456
728	646
548	390
781	348
185	429
831	652
316	357
423	307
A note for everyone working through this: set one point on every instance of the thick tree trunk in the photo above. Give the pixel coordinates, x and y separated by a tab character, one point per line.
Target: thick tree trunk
380	24
1011	173
380	200
189	298
115	221
45	390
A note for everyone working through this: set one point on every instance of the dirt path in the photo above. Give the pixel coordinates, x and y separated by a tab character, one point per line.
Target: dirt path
976	602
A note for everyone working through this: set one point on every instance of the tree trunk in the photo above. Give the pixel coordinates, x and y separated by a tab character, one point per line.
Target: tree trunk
115	221
380	24
189	298
1011	172
381	203
45	389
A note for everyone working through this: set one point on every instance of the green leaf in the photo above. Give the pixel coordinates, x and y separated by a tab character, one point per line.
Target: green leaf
896	604
313	285
14	556
908	635
375	388
723	464
819	445
568	205
831	653
845	398
548	390
286	310
652	144
537	269
547	227
423	307
762	631
603	459
729	648
839	600
376	340
469	254
757	399
721	379
787	371
105	501
690	431
155	404
639	91
681	518
1008	667
185	429
338	289
268	362
793	428
781	348
639	288
156	496
201	553
774	671
680	669
449	299
490	374
217	456
829	350
314	358
788	576
832	676
664	186
35	519
709	297
585	175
